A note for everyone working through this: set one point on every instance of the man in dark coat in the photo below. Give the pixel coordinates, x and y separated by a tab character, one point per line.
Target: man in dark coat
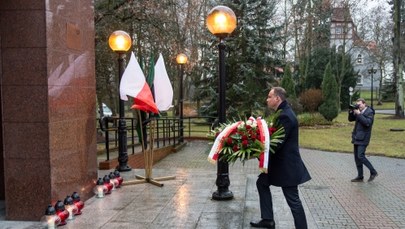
286	168
364	118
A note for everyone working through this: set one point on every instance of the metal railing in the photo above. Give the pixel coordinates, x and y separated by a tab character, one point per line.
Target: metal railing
167	131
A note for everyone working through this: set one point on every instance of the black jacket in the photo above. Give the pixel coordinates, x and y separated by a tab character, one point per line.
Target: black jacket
286	167
362	128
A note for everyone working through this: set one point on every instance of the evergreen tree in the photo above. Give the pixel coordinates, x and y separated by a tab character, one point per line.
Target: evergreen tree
251	56
349	79
288	83
319	60
207	85
316	69
329	109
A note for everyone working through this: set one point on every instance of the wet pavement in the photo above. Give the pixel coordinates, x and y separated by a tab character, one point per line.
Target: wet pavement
330	199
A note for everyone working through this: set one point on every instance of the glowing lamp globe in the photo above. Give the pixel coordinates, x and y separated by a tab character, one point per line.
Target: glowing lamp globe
119	41
221	21
181	58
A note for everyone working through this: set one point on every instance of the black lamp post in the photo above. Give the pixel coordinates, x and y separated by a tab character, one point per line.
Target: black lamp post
120	42
181	59
372	71
221	21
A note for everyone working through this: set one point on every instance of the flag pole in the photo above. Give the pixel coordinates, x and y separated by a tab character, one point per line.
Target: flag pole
148	158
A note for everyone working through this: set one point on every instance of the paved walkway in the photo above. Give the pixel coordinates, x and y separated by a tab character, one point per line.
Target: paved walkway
330	199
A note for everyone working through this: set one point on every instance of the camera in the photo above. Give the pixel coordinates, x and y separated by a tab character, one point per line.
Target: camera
354	106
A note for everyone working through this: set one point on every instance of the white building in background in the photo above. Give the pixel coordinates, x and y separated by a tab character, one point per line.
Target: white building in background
344	37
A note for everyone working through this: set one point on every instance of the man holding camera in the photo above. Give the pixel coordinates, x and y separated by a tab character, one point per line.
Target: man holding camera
364	118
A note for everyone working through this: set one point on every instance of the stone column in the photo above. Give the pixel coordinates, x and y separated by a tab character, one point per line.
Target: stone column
48	100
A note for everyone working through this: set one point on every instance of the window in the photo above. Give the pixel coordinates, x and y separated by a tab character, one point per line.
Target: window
359	59
359	80
339	30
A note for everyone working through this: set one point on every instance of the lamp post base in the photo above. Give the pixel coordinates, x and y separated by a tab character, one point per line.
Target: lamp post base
123	168
222	195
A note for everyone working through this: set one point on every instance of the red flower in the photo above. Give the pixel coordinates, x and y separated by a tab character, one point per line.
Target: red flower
245	143
253	137
272	130
235	148
244	137
248	127
229	141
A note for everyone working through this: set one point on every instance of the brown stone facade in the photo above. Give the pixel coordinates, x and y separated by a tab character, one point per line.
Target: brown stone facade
48	104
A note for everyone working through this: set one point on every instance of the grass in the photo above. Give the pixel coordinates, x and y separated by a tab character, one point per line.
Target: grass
337	137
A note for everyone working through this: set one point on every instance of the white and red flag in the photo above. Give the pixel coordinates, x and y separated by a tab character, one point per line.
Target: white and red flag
133	84
162	86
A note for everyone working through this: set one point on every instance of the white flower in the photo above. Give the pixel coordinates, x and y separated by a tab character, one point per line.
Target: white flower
241	126
254	124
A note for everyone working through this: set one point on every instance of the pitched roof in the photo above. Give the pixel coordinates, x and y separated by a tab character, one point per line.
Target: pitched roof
340	14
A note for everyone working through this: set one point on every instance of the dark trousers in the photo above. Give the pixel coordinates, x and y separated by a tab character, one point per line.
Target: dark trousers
360	160
290	194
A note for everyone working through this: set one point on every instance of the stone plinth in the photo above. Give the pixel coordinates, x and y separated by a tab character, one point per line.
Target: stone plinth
48	103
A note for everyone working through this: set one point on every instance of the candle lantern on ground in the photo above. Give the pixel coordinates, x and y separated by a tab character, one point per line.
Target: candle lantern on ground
113	180
100	189
50	220
61	212
79	204
118	177
70	207
107	184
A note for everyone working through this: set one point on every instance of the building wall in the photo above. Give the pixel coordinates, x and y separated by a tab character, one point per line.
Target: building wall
343	34
363	64
48	100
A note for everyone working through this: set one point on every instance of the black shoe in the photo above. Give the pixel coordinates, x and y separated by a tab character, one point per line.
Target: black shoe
264	223
372	177
357	179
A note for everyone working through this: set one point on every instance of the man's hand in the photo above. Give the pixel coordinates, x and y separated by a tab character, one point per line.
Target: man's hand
356	111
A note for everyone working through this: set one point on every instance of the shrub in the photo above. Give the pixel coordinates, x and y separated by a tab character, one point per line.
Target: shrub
329	110
311	99
312	119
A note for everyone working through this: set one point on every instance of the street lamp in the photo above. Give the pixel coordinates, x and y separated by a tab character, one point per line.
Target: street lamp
221	21
372	71
350	95
120	42
181	59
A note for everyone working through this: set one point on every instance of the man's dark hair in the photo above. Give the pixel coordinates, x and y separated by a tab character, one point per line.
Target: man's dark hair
280	92
361	100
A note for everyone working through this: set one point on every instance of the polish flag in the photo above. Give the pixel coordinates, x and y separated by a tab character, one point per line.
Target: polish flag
162	86
133	84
